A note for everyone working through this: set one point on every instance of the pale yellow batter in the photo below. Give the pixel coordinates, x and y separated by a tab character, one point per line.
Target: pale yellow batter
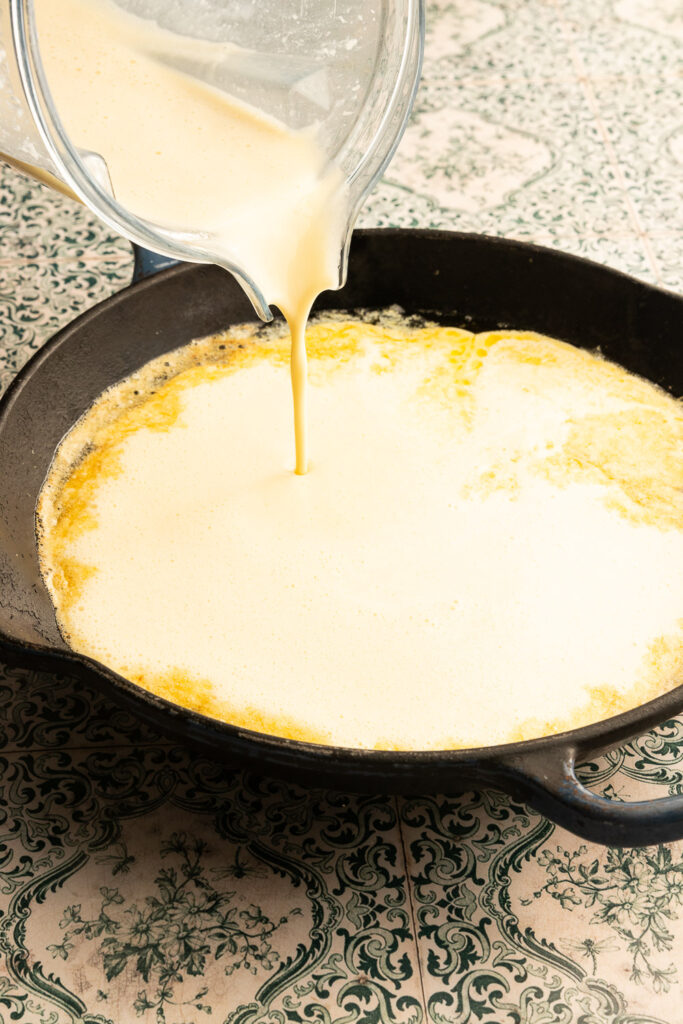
488	547
232	183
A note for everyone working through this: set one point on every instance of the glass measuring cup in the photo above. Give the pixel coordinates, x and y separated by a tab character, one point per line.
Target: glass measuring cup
345	71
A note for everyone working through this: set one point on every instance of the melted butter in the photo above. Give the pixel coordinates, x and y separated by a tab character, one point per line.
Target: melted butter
495	514
230	181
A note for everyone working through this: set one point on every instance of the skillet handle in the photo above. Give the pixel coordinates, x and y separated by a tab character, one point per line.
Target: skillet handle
554	789
147	263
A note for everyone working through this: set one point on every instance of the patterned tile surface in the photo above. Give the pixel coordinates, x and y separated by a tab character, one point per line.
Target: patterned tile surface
140	882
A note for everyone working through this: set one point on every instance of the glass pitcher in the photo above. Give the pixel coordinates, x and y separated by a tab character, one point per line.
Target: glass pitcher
345	70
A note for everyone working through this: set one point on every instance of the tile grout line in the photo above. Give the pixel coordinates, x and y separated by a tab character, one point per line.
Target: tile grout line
586	84
411	905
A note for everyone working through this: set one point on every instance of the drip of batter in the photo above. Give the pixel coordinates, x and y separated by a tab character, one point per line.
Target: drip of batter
226	178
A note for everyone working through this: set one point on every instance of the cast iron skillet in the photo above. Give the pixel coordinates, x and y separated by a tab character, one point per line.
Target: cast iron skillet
470	280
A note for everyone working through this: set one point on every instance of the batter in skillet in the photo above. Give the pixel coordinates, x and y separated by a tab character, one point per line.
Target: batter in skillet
488	547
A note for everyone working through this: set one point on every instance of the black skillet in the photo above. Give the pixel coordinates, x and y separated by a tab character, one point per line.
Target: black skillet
469	280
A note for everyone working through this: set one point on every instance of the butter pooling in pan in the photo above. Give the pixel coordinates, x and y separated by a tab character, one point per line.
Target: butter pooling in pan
489	546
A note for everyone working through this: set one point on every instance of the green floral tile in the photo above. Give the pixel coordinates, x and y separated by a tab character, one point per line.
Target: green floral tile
37	298
644	121
148	885
660	16
454	29
47	711
668	251
123	868
499	162
501	39
643	769
625	37
37	223
517	921
614	914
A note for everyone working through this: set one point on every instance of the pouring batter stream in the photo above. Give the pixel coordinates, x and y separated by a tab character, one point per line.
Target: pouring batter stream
181	153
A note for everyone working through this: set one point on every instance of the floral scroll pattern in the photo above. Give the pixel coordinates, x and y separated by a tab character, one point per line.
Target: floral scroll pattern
353	908
171	935
139	882
637	893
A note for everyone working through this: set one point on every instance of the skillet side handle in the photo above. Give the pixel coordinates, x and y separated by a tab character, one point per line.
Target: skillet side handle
147	263
554	789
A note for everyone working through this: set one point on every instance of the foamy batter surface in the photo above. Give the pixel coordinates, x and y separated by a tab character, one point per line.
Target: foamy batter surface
488	546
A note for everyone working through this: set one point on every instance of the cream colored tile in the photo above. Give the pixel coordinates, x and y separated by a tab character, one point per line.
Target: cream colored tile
163	888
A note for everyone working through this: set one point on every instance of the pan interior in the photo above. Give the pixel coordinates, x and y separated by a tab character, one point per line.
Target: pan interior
462	531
